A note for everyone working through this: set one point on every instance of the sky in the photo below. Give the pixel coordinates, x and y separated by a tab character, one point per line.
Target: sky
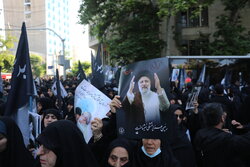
79	34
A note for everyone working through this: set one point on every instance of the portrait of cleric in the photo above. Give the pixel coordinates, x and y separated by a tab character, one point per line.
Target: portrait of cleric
145	99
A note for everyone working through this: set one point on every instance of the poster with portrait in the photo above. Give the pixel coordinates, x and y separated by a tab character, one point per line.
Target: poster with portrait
175	75
143	88
89	103
193	97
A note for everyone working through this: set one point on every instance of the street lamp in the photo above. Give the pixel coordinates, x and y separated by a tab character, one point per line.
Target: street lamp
49	29
63	46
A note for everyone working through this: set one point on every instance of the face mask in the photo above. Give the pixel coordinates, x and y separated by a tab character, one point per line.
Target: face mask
158	151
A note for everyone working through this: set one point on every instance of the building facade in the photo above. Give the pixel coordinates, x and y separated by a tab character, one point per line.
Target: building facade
47	23
185	31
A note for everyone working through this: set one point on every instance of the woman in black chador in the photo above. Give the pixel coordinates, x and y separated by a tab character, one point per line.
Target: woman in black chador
13	152
119	153
153	153
62	145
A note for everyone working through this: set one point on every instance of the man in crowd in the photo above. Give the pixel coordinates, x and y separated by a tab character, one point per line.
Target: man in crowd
216	146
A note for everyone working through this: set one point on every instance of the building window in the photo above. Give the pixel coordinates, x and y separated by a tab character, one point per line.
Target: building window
27	10
27	1
188	19
195	47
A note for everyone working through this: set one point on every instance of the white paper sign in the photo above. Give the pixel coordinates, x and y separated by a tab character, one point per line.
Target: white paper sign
175	74
91	103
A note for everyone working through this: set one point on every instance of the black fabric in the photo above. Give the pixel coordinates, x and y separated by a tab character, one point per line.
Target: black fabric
54	112
164	159
183	149
16	154
119	142
109	134
227	105
46	103
70	115
67	142
99	148
181	146
217	148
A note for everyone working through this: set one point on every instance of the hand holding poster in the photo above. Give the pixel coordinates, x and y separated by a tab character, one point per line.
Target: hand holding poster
142	87
90	103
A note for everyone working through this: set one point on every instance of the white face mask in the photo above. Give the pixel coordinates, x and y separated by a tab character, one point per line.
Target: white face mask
158	151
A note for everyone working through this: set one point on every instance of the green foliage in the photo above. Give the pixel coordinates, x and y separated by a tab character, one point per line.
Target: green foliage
6	61
7	43
173	7
231	37
130	28
6	58
37	65
85	66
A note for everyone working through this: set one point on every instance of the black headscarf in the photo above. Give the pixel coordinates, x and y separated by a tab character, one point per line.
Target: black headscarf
46	103
55	112
15	154
181	146
67	142
164	159
119	142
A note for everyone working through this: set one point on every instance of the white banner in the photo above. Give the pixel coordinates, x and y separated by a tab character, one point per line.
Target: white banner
91	103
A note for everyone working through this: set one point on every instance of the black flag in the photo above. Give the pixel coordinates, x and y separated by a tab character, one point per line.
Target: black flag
1	80
58	91
92	62
81	75
22	87
97	73
227	79
202	74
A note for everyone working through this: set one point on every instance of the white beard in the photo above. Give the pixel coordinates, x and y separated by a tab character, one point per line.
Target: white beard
144	91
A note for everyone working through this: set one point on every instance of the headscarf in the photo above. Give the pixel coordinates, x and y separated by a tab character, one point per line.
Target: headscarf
15	154
67	142
55	112
46	103
119	142
164	159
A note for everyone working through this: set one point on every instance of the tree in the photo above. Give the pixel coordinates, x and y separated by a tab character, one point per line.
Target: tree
37	65
86	66
171	8
130	28
6	58
231	37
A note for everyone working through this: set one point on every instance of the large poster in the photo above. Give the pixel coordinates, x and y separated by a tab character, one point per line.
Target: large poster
143	88
90	103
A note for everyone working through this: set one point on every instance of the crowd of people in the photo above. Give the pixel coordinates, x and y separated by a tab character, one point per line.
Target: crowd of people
214	133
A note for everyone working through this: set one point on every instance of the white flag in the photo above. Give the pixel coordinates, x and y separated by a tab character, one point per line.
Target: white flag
63	91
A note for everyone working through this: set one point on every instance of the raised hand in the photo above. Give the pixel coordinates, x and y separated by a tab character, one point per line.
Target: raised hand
96	127
132	85
237	124
157	83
